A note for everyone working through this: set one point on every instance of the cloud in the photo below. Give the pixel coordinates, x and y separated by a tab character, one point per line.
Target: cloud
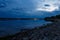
53	5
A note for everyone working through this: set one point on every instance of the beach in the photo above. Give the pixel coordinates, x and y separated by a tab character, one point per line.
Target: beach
46	32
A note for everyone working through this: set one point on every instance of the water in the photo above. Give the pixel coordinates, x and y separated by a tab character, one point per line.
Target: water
22	9
14	26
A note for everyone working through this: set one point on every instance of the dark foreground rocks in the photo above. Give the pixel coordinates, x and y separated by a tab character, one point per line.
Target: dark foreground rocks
46	32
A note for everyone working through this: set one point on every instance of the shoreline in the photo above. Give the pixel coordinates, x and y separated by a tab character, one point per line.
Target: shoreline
51	29
24	33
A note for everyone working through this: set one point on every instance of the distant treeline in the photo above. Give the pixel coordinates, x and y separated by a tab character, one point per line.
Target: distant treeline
21	18
52	18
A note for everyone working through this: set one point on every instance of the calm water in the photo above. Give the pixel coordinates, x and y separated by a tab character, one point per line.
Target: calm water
14	26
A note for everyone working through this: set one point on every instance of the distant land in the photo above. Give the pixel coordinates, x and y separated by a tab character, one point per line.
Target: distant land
21	18
52	18
46	18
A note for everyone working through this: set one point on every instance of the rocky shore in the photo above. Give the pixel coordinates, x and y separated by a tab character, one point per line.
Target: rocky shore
46	32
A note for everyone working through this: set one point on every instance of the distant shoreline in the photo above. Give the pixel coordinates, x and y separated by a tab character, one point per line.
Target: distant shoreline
21	18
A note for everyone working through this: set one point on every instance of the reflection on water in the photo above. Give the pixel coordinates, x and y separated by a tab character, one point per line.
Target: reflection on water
13	26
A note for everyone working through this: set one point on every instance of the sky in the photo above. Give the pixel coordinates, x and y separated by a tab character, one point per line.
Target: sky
48	5
25	8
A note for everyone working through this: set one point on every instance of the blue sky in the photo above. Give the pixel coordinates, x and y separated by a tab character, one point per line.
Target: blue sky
29	8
